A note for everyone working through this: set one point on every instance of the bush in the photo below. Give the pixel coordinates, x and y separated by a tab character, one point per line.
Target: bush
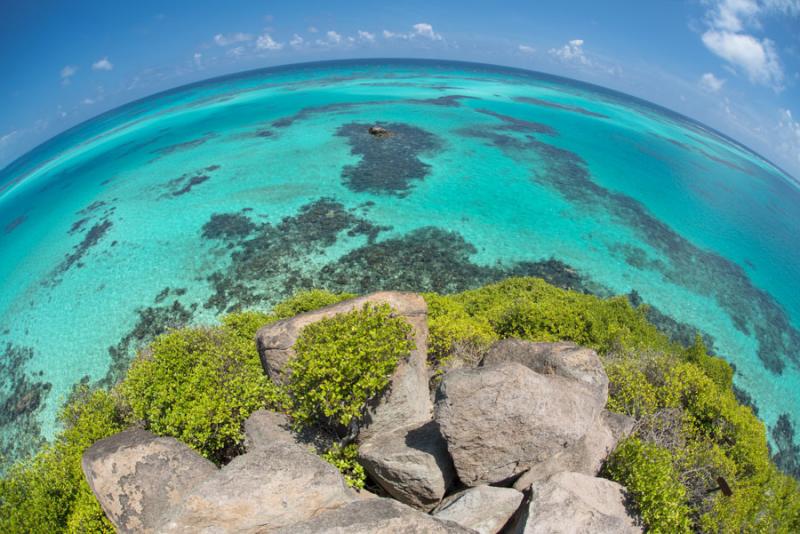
199	385
345	459
647	472
49	493
305	301
342	362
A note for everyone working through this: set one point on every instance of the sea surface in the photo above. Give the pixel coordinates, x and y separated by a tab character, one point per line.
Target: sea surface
239	191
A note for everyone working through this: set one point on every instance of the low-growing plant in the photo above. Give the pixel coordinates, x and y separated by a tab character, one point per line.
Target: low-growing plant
48	493
305	301
198	385
345	459
344	361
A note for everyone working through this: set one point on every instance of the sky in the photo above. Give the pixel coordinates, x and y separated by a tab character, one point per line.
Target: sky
731	64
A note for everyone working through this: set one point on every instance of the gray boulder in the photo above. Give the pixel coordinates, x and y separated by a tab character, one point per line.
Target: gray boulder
587	455
264	428
269	487
564	359
500	420
484	509
411	464
138	477
570	503
407	400
373	516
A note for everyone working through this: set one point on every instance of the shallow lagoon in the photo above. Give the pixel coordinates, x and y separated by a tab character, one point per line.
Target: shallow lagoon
242	190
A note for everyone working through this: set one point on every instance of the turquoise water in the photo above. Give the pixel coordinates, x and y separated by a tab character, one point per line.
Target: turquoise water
242	190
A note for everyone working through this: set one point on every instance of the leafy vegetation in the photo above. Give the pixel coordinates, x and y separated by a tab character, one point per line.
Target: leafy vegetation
200	384
344	361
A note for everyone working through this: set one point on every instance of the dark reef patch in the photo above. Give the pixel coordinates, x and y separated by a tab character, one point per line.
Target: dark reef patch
186	182
22	397
519	125
677	331
185	145
787	458
390	163
753	311
152	321
14	224
269	262
92	237
555	105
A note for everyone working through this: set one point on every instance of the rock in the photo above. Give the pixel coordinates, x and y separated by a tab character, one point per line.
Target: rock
563	359
373	516
138	477
572	502
484	509
587	455
267	488
411	464
500	420
379	131
407	400
264	428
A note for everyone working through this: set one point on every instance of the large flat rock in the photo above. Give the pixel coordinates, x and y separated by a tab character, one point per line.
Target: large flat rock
587	455
407	400
564	359
570	503
502	419
484	509
411	464
373	516
138	477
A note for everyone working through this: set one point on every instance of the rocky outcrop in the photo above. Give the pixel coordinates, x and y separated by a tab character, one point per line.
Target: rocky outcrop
484	509
272	486
567	503
563	359
587	455
379	131
373	516
264	428
411	464
407	400
499	420
139	477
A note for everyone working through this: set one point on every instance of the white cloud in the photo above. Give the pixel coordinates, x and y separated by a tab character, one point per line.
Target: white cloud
312	29
711	83
198	59
333	37
571	52
265	42
757	58
6	139
67	73
88	101
296	41
237	51
233	38
423	29
788	135
733	15
525	49
366	36
102	64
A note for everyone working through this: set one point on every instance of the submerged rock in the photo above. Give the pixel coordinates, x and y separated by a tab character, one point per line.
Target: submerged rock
484	509
379	131
138	477
407	400
567	503
500	420
411	464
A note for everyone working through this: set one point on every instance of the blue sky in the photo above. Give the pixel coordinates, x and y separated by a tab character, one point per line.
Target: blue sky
732	64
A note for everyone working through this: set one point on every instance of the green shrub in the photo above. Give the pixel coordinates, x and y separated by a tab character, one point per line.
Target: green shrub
304	301
198	385
49	493
245	324
449	323
647	472
345	459
343	361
